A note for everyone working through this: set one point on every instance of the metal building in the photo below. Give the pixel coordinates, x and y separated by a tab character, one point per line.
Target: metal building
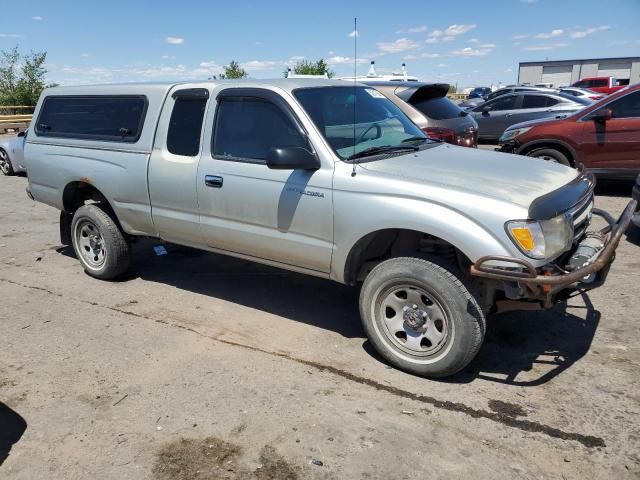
560	73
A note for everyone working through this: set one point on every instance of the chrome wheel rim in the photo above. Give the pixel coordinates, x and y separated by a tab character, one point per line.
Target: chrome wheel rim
413	320
4	162
90	245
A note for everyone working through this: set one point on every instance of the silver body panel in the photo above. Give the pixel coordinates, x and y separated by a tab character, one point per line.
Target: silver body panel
14	148
306	221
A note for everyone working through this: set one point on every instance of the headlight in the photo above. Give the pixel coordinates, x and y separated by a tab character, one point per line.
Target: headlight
544	239
509	134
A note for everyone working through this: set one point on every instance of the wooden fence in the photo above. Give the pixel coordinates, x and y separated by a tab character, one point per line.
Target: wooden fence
15	118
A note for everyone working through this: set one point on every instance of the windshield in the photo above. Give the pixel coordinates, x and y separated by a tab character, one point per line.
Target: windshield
378	122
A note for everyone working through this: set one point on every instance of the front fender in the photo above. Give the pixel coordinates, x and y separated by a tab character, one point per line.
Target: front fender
353	223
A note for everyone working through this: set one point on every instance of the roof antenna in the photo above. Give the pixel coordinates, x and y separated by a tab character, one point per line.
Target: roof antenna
355	73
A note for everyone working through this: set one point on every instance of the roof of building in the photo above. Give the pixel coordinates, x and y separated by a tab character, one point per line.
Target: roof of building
582	60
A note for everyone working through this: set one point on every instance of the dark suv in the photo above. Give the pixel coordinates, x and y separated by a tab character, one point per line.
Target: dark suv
604	137
429	108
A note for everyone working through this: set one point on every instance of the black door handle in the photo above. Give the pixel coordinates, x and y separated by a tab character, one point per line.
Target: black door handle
213	181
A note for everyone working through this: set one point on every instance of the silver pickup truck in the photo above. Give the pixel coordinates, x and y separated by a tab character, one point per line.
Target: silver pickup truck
329	179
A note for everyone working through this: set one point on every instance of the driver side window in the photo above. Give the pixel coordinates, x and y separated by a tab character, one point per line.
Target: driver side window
246	128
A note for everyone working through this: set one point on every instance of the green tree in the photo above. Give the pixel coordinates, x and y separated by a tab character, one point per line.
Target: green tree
233	70
22	77
307	67
9	63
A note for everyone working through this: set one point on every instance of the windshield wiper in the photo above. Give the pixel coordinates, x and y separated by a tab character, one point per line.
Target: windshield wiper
415	139
383	149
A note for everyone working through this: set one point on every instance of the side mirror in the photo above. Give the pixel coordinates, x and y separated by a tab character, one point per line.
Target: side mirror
21	134
486	110
292	158
601	115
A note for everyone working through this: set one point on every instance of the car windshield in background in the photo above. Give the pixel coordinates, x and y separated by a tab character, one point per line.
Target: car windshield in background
436	106
379	125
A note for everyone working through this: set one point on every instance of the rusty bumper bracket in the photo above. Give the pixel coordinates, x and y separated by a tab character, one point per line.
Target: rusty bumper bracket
532	279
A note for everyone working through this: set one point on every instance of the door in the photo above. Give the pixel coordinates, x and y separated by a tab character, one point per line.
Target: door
615	143
557	75
173	166
283	216
494	117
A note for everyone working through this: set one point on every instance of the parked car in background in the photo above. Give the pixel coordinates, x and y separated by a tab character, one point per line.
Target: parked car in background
474	102
479	92
604	137
429	108
605	85
582	93
12	154
495	116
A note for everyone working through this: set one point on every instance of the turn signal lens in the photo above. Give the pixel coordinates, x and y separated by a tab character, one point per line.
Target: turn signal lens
523	237
528	237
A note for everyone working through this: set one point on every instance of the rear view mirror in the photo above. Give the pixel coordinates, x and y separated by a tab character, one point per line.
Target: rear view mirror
601	115
292	158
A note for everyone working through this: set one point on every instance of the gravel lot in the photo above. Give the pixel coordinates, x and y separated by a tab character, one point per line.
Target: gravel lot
199	366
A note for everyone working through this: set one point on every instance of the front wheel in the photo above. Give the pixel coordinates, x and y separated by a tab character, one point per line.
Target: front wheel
420	317
550	155
99	243
5	163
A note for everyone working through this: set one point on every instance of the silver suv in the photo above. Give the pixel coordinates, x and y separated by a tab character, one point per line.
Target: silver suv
328	179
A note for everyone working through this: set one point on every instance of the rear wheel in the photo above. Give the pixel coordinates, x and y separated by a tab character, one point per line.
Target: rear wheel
551	155
99	243
5	164
420	317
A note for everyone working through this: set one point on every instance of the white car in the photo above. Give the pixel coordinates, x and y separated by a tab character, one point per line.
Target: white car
582	93
12	154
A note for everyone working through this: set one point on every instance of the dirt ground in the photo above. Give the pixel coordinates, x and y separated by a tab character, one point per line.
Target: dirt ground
197	366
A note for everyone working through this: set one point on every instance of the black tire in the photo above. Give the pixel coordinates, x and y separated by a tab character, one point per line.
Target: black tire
5	164
108	257
550	154
464	323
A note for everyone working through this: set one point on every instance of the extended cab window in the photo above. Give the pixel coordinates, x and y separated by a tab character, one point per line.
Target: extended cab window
248	127
108	118
185	126
627	106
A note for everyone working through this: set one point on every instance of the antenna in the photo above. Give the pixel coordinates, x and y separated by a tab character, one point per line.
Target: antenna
355	73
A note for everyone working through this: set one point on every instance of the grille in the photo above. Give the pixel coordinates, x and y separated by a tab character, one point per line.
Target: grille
581	216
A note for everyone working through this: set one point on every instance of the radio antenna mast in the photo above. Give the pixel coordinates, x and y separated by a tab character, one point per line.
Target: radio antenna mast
355	72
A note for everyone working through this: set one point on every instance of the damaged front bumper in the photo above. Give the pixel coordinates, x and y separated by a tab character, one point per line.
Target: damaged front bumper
546	285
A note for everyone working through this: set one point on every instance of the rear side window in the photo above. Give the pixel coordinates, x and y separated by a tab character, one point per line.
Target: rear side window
109	118
437	107
538	101
185	126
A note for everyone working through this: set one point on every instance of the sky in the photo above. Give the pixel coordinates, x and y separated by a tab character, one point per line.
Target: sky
468	43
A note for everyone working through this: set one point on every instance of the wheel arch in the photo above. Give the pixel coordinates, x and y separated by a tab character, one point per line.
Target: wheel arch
379	245
79	192
562	147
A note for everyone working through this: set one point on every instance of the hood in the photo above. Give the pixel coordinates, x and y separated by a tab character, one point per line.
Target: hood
512	178
539	121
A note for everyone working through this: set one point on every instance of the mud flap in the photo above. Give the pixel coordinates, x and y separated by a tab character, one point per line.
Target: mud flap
65	228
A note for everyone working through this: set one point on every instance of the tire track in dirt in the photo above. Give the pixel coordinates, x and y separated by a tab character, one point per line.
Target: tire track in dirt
500	417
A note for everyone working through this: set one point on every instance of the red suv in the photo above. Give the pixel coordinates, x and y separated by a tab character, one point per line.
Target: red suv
604	137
